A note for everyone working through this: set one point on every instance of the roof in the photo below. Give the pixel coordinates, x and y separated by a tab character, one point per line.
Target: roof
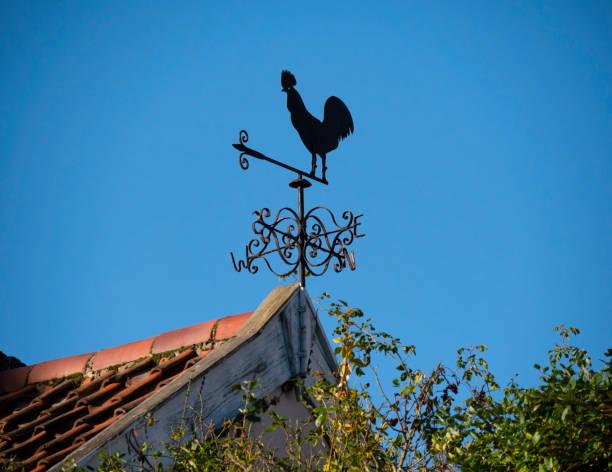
49	409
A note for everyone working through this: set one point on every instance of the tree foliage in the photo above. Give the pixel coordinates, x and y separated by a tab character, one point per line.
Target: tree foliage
446	419
563	424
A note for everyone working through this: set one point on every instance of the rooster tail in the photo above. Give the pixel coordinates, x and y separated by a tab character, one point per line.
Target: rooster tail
336	116
287	80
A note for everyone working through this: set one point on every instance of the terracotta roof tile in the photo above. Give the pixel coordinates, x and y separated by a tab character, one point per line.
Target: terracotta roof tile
90	385
32	460
100	395
14	379
176	363
42	421
63	406
229	326
57	456
40	468
52	393
27	446
23	394
95	430
62	440
129	405
121	354
58	368
176	339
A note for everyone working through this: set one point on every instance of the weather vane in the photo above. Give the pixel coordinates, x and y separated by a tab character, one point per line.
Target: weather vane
301	240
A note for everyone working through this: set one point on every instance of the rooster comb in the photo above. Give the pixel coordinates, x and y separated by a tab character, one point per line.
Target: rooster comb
287	79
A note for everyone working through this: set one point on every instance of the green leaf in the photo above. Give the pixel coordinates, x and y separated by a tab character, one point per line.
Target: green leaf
320	420
565	412
271	428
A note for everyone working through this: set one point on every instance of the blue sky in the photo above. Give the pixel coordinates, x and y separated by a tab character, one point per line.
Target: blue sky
481	160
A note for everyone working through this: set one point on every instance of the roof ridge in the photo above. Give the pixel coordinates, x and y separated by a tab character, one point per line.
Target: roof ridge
197	335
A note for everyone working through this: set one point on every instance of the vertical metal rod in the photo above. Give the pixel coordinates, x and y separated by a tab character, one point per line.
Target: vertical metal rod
302	235
301	335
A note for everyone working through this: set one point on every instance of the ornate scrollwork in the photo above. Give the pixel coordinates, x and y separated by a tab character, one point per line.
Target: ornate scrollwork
243	137
323	246
307	240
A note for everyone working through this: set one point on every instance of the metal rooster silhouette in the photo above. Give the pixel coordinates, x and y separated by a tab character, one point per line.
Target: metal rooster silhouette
318	137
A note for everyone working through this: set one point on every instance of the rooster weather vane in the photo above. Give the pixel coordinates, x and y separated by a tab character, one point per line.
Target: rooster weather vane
301	240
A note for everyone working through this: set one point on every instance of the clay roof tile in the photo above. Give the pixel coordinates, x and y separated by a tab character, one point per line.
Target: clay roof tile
58	368
229	326
23	394
178	338
122	354
14	379
58	456
44	415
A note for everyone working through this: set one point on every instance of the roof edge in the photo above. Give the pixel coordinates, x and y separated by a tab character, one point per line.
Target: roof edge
276	300
88	364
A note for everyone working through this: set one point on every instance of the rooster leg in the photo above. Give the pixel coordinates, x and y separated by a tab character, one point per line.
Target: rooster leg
314	164
324	166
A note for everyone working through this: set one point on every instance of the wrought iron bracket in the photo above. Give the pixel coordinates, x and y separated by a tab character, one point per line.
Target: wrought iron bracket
296	241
